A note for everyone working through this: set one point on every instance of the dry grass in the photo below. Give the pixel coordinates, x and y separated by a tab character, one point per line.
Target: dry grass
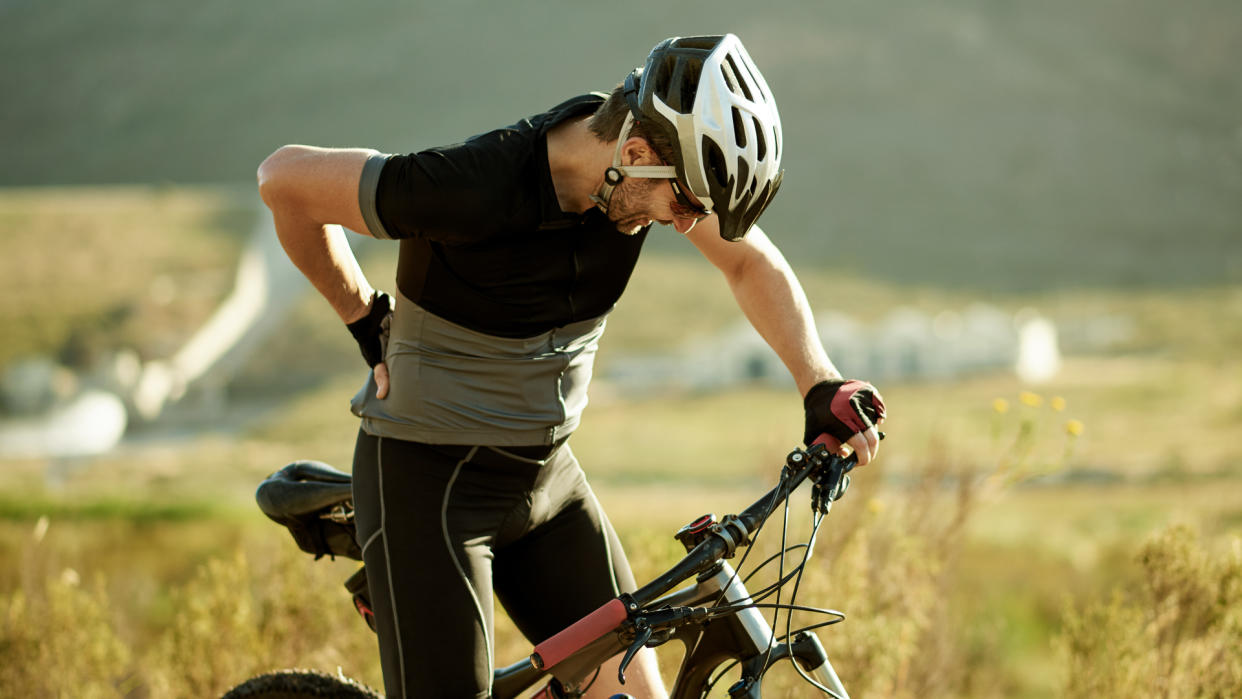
1175	636
957	562
190	608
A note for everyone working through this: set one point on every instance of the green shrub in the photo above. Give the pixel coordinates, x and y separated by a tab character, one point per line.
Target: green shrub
1177	636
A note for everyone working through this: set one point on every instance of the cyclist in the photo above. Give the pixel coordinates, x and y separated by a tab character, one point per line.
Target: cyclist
514	246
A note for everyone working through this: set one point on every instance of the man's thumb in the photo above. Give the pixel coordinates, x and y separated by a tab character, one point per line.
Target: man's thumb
381	380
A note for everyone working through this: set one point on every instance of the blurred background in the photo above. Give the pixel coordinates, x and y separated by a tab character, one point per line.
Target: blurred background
1023	221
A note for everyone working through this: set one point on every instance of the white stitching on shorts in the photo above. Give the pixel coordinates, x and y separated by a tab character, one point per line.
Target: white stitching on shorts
448	490
392	596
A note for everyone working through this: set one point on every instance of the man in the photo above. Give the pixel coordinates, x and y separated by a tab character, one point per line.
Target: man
514	247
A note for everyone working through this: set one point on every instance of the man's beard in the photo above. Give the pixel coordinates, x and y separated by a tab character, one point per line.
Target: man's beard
628	202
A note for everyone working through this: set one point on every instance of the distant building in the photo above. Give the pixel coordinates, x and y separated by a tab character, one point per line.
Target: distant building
907	344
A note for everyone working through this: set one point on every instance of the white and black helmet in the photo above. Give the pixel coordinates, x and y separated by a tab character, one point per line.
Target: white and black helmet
708	96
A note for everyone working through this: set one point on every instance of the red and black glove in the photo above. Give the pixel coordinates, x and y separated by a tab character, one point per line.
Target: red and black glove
371	330
841	409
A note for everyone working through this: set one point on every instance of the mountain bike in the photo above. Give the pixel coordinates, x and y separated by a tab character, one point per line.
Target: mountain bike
721	624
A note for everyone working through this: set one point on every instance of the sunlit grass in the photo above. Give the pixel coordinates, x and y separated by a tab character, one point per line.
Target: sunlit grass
938	601
999	517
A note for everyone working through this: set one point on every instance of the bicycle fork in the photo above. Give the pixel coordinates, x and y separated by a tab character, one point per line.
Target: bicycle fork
745	636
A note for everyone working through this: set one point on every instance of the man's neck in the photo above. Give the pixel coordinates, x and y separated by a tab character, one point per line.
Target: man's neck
577	161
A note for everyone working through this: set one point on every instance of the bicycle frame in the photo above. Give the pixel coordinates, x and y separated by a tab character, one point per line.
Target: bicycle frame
745	638
741	636
714	617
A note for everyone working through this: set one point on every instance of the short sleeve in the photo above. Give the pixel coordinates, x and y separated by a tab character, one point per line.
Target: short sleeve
458	194
367	189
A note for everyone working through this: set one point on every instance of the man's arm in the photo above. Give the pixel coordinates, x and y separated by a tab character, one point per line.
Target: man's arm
312	193
770	295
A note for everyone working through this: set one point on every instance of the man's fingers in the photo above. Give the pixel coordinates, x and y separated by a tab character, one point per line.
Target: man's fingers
872	435
831	444
381	380
866	444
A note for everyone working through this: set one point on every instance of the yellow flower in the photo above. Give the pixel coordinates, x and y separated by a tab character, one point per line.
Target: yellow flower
1074	427
875	506
1057	403
1033	400
1000	405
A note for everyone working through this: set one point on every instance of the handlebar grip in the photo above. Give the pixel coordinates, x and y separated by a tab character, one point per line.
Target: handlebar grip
825	437
822	439
579	634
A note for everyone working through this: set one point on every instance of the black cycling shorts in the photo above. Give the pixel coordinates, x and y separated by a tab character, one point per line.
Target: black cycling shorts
441	527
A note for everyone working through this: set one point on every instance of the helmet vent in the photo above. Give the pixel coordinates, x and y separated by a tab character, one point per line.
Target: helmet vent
679	83
739	79
761	143
716	167
664	80
739	129
729	81
743	173
751	80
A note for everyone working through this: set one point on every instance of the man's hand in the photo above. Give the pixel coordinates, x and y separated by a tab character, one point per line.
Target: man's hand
371	332
844	414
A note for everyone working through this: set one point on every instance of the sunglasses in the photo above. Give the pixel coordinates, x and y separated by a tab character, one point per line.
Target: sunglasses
683	207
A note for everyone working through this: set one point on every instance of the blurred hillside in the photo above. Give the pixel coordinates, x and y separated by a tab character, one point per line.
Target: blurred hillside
989	145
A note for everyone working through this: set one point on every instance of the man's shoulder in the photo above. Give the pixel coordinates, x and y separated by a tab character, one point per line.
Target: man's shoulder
538	124
576	106
525	131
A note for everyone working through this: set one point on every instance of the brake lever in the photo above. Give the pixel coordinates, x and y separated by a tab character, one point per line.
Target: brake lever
642	634
646	622
831	486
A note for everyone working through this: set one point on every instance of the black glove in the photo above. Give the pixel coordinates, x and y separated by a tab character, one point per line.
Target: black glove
841	409
371	330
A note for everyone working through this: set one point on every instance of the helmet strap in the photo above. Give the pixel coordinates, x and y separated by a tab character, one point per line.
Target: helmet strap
617	172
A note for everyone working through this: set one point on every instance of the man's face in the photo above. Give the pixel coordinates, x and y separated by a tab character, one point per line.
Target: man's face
638	202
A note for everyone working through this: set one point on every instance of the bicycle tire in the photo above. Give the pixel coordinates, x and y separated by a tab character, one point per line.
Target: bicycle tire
300	684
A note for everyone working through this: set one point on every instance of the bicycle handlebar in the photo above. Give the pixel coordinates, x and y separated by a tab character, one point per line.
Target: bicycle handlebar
827	468
735	531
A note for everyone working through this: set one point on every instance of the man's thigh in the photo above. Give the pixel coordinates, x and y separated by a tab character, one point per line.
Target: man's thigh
568	564
430	585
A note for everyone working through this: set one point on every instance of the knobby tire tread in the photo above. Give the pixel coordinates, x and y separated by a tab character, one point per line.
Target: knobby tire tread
300	684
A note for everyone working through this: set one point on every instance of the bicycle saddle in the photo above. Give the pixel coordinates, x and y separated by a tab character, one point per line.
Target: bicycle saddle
301	488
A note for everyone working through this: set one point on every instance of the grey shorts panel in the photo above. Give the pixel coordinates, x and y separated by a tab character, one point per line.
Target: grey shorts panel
453	385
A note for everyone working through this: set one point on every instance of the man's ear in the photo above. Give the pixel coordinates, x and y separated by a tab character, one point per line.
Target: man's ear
637	151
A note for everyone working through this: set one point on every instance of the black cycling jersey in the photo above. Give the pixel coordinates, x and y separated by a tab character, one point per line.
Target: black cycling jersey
501	303
484	241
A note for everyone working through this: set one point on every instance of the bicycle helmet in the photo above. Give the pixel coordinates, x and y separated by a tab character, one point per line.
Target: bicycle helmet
708	96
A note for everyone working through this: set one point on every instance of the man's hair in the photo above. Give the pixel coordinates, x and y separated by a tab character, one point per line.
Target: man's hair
606	124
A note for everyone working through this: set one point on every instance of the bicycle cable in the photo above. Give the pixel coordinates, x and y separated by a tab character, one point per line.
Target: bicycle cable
780	573
776	588
754	536
789	608
769	559
817	520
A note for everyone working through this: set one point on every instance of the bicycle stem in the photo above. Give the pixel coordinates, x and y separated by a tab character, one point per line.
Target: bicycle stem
733	531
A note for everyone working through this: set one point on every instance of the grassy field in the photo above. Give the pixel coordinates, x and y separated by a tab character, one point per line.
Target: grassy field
91	269
990	553
151	560
1083	159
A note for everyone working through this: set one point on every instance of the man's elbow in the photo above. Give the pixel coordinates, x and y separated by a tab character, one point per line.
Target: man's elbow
274	174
